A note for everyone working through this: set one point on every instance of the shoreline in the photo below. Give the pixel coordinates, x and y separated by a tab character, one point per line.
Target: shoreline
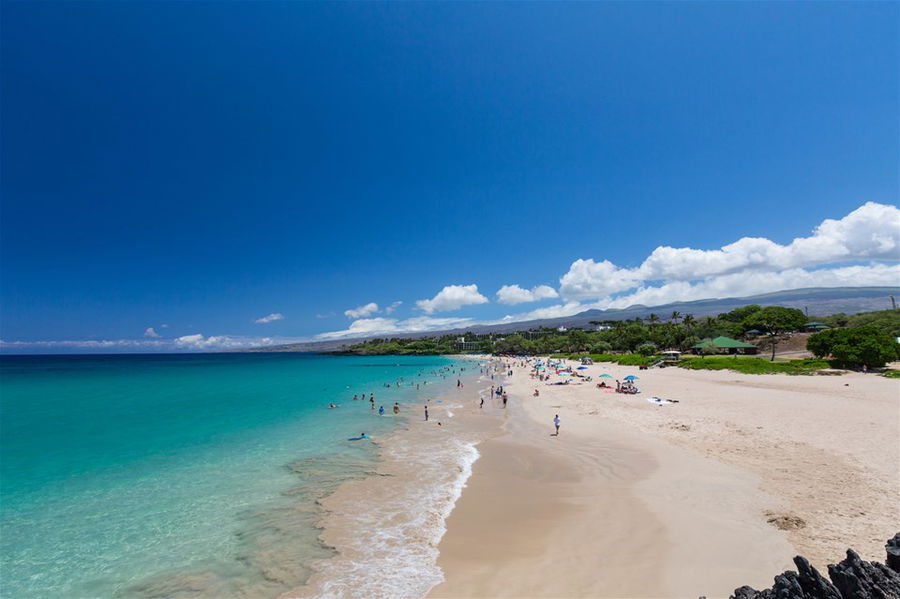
384	529
689	508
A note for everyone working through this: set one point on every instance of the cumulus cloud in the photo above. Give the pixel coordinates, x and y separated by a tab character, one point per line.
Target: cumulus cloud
362	311
150	332
513	294
390	309
452	297
750	265
269	318
367	327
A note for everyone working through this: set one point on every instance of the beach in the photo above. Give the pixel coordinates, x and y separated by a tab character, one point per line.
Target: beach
632	499
693	498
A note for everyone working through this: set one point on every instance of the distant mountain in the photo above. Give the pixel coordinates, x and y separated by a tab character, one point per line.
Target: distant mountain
815	301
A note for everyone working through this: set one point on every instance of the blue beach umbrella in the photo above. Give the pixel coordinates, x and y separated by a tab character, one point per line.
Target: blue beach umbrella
582	368
631	377
606	376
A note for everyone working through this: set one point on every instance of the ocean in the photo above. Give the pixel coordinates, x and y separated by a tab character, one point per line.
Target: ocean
185	475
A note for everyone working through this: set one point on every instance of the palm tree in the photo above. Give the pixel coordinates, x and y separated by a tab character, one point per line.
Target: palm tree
675	316
688	321
653	318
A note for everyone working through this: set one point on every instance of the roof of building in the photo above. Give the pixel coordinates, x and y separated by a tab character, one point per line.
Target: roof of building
724	342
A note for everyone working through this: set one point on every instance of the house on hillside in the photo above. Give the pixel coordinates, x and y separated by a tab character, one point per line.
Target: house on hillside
726	345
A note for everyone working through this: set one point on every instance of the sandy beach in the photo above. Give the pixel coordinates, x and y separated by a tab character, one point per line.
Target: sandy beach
694	498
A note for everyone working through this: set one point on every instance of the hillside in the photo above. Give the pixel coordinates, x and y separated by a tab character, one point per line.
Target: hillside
815	301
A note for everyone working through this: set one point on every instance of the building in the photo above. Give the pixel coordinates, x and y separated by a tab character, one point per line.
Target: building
463	345
726	345
815	326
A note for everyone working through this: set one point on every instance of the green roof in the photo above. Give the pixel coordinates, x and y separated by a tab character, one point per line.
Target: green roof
813	323
724	342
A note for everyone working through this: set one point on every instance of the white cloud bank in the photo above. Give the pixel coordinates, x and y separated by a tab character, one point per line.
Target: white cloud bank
869	233
270	318
362	311
369	327
513	294
848	252
452	297
196	342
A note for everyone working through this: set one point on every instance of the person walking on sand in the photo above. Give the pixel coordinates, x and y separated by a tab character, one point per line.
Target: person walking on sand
481	405
426	413
556	424
505	397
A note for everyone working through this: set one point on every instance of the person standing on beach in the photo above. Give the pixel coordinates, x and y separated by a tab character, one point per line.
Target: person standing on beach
381	410
426	413
481	405
396	408
505	397
556	424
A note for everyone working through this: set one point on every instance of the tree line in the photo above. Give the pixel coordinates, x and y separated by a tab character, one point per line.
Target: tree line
875	331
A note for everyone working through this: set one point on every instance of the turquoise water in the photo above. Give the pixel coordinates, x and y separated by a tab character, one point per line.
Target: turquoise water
181	475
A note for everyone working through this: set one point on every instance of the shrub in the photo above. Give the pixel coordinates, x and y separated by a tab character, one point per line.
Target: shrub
851	348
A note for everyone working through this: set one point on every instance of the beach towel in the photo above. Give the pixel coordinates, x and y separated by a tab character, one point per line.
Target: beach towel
660	401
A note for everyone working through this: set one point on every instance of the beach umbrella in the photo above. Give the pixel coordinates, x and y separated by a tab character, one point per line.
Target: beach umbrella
631	377
606	376
582	368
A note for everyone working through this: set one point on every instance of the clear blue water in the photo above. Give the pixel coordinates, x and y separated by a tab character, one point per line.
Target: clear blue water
181	475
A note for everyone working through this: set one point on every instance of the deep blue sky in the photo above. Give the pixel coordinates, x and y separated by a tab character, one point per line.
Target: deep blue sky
204	164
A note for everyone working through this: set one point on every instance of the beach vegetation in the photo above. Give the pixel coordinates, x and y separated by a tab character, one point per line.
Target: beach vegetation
855	347
775	321
638	342
754	365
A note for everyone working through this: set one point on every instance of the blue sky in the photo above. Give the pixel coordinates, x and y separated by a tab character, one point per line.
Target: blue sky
196	167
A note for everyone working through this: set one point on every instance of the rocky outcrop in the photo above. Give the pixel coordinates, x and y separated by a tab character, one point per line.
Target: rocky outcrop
852	578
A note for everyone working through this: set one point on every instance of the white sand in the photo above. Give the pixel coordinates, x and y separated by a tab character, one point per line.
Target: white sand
635	499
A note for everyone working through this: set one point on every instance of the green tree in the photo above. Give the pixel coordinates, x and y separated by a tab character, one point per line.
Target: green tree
861	346
775	321
646	349
708	347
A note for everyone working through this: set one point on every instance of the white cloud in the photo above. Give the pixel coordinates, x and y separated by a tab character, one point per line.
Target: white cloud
325	315
270	318
452	297
368	327
215	342
195	342
362	311
513	294
390	309
150	332
748	266
753	283
587	279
